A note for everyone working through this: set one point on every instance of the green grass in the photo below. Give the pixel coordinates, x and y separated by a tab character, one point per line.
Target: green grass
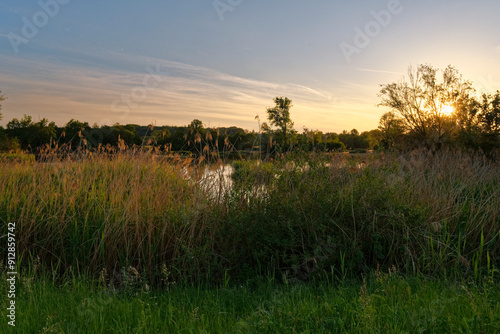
383	303
134	243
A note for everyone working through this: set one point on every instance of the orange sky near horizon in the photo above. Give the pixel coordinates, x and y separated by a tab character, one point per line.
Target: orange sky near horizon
170	63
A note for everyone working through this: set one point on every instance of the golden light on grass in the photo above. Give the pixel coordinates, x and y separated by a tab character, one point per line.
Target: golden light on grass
129	209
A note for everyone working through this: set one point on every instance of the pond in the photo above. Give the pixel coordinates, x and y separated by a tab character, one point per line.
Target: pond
213	179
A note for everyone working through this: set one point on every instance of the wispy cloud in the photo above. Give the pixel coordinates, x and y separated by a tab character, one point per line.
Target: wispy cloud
377	71
318	92
64	91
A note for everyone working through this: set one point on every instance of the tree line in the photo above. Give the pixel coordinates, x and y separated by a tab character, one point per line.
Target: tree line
431	108
28	135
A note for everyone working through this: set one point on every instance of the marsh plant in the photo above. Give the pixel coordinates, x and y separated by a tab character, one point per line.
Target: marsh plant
314	217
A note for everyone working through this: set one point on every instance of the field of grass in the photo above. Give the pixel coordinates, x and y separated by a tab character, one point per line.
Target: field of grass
274	251
297	218
383	303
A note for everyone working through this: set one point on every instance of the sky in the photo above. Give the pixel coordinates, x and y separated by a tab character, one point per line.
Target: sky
169	62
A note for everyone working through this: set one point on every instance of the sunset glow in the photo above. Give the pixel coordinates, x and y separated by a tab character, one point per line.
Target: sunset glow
227	166
447	110
168	63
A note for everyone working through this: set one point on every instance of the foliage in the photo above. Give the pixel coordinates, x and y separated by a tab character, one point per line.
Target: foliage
31	135
8	144
421	100
75	131
293	219
353	140
424	111
279	116
479	123
392	129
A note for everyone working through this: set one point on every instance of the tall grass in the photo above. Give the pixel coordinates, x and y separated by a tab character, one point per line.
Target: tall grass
436	214
158	220
104	214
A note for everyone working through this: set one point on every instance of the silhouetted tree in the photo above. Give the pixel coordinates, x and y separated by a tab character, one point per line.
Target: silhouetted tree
75	131
161	137
353	140
31	135
333	142
422	101
489	116
126	133
489	121
391	128
280	116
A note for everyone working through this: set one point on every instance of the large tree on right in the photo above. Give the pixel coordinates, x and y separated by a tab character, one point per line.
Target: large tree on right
427	102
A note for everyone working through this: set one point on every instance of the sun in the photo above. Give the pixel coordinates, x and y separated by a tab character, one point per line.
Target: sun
447	110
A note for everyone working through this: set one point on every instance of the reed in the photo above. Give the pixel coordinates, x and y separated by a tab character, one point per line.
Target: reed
299	218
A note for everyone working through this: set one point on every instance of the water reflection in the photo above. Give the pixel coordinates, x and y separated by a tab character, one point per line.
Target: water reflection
215	180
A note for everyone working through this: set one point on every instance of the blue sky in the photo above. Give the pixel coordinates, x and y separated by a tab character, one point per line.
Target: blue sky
168	62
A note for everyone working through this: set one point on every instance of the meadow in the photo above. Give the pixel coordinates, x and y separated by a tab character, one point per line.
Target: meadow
289	241
382	303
